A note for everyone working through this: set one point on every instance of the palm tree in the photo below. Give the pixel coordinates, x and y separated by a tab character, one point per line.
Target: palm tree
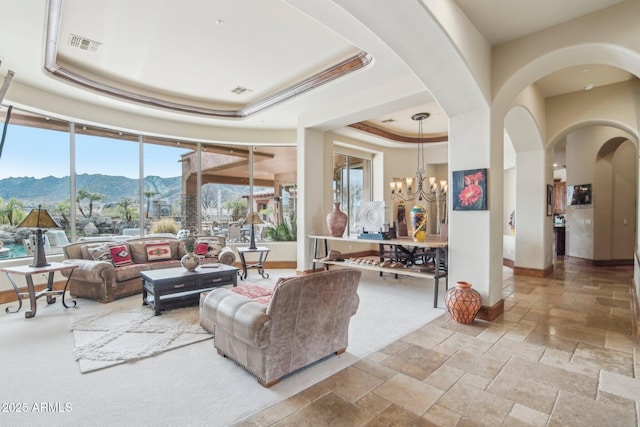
13	210
149	194
82	194
92	196
64	208
126	204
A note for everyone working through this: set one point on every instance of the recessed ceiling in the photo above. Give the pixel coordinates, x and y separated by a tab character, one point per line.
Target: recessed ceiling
583	77
199	51
211	54
501	21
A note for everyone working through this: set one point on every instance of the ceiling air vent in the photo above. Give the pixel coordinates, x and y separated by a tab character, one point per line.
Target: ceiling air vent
83	43
239	90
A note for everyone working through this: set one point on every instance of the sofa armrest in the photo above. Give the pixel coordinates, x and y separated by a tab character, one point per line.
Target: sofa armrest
227	256
239	316
90	270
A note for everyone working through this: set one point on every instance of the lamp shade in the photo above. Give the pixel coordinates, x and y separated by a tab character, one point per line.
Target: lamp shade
253	218
38	218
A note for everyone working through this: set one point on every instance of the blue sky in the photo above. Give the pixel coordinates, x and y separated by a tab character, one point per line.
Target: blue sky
38	153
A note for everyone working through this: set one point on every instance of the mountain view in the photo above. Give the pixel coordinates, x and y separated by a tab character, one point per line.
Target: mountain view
51	190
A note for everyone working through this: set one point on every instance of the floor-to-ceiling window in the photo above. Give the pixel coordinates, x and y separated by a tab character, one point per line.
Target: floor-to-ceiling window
351	186
162	188
34	172
107	182
89	179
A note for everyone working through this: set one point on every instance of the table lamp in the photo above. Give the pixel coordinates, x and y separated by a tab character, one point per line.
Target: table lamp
253	218
39	219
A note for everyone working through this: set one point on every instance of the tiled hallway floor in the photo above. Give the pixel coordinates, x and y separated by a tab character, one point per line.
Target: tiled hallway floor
561	355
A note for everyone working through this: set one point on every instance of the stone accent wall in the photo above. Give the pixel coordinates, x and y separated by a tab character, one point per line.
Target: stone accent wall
189	214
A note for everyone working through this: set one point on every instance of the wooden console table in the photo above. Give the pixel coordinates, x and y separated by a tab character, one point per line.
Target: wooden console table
28	272
437	244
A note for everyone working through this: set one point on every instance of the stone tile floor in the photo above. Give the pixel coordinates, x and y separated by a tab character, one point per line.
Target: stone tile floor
562	354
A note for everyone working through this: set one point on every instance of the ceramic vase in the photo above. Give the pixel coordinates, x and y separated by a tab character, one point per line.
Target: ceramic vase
402	218
463	302
418	216
190	261
336	221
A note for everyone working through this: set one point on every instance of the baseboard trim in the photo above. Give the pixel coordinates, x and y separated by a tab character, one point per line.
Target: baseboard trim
490	313
9	295
278	264
508	263
532	272
612	262
601	262
635	311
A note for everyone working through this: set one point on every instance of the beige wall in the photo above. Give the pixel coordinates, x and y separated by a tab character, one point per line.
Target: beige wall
590	235
615	208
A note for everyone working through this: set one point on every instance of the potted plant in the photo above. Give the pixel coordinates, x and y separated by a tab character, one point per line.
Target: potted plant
190	260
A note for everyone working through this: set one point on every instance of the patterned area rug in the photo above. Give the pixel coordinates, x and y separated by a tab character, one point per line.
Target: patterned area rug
115	337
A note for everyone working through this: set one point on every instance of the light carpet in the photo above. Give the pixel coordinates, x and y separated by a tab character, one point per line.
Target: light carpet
115	336
191	385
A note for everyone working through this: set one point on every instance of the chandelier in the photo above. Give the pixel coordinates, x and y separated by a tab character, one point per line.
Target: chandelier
435	192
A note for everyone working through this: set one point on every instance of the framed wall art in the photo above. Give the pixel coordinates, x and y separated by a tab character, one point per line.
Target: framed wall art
469	190
579	194
549	200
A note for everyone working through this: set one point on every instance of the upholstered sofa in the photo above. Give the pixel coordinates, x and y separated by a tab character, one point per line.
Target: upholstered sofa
109	269
306	319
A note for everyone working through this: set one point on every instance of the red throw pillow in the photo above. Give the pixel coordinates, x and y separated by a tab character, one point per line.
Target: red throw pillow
120	255
201	248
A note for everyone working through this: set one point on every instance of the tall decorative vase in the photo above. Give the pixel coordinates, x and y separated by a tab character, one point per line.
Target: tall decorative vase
336	221
402	221
418	216
190	261
463	302
402	214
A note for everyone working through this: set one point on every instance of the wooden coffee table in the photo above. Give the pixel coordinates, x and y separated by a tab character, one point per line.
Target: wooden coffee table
176	287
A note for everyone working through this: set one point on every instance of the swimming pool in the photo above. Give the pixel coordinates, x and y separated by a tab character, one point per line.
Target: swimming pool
15	251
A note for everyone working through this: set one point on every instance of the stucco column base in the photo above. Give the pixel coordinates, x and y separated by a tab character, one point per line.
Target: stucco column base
533	272
490	313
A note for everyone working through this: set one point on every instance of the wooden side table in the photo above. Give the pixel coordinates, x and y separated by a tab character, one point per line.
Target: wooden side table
28	272
263	254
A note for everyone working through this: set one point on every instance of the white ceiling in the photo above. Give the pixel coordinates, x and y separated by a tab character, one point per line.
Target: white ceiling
501	21
195	52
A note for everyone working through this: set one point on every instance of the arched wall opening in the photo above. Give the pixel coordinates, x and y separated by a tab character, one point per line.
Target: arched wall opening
601	159
616	105
615	213
527	235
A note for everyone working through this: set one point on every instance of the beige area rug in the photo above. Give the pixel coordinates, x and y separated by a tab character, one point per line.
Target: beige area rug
114	337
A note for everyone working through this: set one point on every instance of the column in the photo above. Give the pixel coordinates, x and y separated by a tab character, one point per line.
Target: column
314	158
475	237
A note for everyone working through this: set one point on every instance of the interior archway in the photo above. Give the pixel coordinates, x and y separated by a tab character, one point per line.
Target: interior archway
615	210
530	234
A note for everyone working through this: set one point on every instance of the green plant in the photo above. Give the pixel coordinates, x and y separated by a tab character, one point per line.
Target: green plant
165	225
148	194
12	211
127	205
238	207
91	196
284	231
190	242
